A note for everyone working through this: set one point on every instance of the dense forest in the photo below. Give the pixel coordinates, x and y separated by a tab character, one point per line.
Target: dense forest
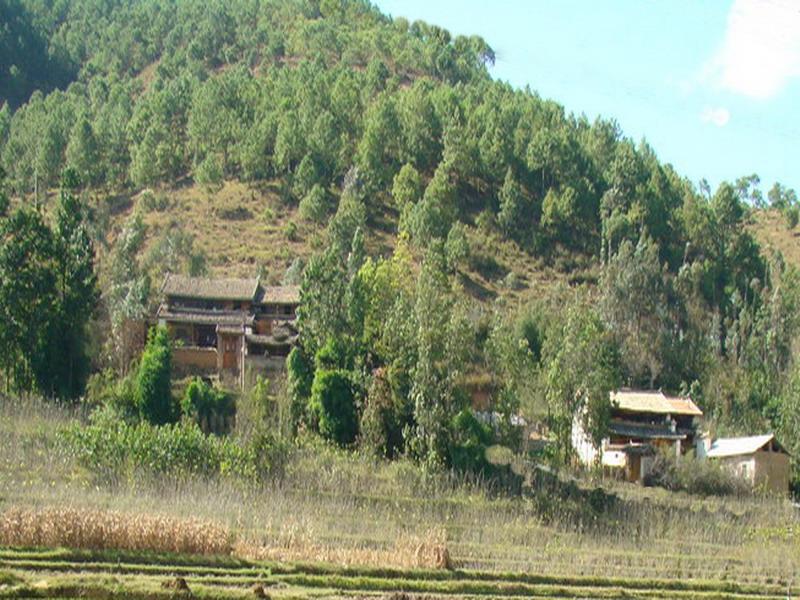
368	124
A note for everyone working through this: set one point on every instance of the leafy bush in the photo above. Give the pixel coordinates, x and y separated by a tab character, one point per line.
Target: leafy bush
211	408
105	390
294	273
456	247
153	202
152	393
381	428
115	451
407	186
305	178
315	206
290	231
792	216
300	376
471	438
695	476
210	172
335	354
332	404
268	215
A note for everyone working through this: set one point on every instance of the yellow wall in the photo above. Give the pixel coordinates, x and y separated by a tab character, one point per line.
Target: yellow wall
195	358
772	471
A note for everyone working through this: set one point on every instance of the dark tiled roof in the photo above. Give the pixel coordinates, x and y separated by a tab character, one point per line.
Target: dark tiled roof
270	340
645	431
231	329
206	317
282	294
633	449
209	289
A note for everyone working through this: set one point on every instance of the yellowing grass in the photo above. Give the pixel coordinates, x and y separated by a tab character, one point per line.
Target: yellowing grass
91	529
101	530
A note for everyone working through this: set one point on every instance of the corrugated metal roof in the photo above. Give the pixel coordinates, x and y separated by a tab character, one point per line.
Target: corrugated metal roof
210	289
723	447
655	402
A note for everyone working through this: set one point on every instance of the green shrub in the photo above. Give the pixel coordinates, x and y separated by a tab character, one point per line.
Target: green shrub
695	476
153	202
116	451
485	221
407	186
333	355
152	393
315	206
294	273
456	247
299	377
380	430
211	408
332	404
305	177
105	390
470	439
210	173
290	231
792	216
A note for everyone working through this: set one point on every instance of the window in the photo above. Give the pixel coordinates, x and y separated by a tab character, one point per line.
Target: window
182	334
279	351
207	336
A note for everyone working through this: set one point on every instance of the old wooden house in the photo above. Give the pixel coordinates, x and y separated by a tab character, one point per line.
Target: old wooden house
759	460
642	423
228	326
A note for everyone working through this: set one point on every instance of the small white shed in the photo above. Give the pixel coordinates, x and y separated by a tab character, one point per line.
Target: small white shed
760	460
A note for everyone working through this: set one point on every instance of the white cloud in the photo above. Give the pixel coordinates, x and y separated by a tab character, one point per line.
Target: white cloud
761	49
718	116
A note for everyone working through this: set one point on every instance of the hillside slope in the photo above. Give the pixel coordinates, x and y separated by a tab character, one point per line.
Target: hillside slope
307	140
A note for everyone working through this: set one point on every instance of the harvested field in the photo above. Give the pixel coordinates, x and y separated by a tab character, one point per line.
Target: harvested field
109	574
378	523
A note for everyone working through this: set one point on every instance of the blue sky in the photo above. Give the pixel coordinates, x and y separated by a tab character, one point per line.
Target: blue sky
714	86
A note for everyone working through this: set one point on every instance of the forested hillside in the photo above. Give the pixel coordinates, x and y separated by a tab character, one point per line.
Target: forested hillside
450	231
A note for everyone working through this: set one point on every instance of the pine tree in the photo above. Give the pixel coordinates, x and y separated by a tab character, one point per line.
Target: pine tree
82	150
76	293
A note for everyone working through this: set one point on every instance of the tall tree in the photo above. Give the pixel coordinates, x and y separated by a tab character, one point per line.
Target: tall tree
27	290
581	368
82	151
634	304
152	391
76	293
441	347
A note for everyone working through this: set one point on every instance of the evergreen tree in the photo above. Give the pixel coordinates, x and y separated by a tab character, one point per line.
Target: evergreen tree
27	291
581	369
76	293
152	390
83	152
512	207
332	404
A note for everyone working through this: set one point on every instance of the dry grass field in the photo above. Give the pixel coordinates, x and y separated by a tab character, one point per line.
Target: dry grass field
372	524
769	228
242	230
